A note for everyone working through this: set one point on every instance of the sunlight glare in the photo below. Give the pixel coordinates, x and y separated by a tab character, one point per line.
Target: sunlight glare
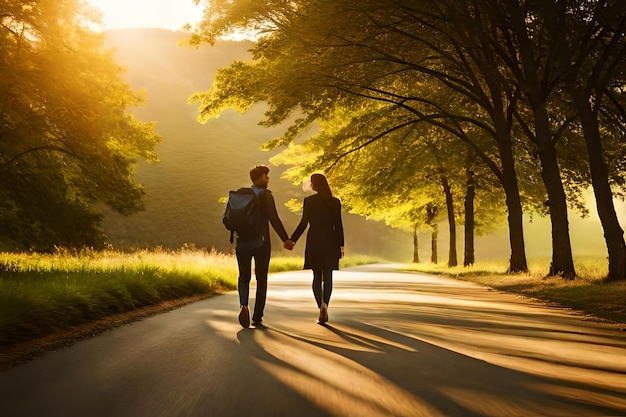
164	14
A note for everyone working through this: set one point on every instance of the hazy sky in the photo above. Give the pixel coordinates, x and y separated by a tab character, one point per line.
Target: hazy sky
166	14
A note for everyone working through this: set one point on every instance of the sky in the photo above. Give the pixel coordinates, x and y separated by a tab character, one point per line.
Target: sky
165	14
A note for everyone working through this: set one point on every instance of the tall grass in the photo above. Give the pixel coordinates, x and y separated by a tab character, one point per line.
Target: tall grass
41	294
44	293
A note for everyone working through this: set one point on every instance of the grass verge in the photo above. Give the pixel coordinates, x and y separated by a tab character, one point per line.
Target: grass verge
43	295
283	264
588	293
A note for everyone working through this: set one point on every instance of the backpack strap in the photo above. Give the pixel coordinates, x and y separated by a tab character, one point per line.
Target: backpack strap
262	199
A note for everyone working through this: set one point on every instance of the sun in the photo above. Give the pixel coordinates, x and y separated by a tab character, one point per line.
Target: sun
164	14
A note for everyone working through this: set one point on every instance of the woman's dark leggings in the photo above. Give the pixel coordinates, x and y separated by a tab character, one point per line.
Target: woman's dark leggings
322	285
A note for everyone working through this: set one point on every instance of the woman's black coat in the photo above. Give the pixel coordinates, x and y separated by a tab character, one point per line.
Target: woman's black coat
325	237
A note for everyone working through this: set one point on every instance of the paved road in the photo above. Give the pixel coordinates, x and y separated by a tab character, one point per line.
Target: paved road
396	345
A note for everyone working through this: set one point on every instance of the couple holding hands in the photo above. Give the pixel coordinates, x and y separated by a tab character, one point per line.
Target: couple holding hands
324	244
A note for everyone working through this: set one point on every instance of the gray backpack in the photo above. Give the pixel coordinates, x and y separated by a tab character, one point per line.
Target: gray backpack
243	213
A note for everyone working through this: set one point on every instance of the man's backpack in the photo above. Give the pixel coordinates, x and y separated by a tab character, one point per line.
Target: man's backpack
242	214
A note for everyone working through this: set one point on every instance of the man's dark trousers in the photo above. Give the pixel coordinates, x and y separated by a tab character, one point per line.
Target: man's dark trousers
261	254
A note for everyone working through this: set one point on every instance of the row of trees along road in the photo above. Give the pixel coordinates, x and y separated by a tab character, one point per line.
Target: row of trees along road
510	103
67	144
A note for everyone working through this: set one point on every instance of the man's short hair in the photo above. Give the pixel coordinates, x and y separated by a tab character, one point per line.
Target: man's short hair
258	171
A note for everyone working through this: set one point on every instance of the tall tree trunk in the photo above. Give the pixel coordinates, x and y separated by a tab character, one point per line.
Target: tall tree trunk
562	261
431	215
452	257
505	172
416	254
517	263
470	193
613	233
433	243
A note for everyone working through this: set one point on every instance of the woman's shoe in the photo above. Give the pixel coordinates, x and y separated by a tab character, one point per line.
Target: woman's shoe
323	313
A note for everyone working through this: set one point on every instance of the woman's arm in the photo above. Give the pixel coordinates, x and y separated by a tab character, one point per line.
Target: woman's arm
304	222
339	226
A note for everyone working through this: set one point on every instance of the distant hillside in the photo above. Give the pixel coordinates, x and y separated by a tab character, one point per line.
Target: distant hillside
200	163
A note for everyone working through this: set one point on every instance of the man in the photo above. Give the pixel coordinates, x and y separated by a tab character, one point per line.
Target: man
258	247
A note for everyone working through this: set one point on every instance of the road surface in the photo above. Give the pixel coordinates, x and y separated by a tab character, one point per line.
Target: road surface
397	344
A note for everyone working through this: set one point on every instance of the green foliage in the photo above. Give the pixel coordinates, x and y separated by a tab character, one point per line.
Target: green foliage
368	91
66	141
488	77
391	177
200	163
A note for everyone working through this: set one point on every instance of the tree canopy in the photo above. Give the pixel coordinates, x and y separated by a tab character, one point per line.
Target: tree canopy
67	143
490	75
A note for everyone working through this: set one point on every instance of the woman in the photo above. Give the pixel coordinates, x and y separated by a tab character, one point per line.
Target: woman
324	241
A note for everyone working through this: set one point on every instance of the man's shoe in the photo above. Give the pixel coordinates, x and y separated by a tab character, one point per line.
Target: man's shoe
244	317
257	323
323	313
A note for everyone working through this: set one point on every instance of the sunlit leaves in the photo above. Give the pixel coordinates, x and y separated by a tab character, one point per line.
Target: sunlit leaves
66	139
358	71
371	74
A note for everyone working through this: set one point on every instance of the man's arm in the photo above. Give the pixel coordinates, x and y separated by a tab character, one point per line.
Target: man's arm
272	216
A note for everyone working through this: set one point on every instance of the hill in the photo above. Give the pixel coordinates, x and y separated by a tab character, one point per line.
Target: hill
201	163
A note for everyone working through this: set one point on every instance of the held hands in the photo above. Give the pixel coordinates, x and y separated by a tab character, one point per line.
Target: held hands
289	244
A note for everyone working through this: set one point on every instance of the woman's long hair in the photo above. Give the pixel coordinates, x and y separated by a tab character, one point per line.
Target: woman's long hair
320	184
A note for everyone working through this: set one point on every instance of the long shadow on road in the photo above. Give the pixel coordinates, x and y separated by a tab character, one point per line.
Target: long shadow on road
422	346
363	369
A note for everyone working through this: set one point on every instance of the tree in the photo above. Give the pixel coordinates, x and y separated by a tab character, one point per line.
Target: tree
395	177
468	205
569	48
371	182
425	59
590	61
511	38
315	57
66	140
